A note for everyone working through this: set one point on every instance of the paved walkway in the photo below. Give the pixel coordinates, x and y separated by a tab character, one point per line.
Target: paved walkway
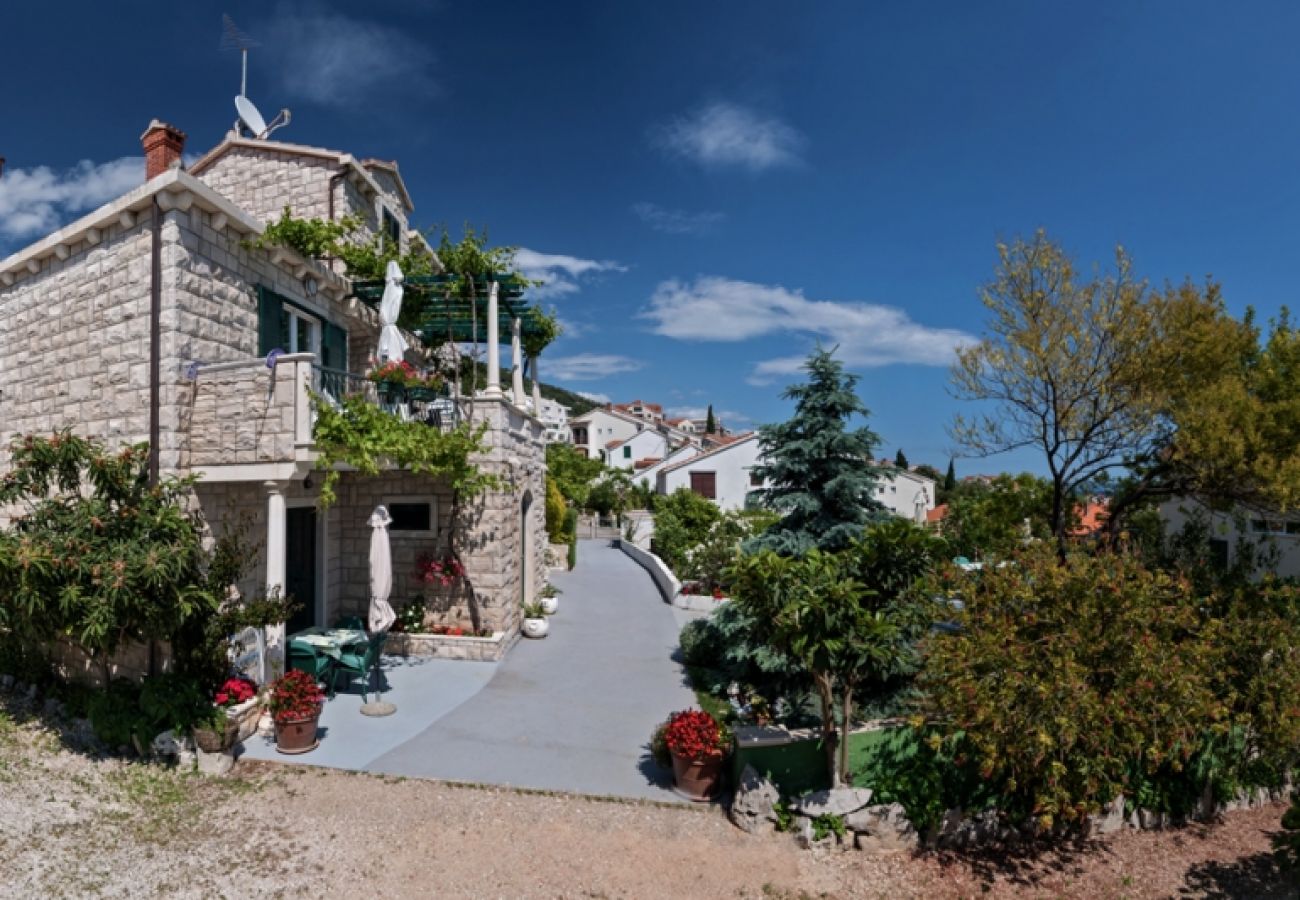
572	712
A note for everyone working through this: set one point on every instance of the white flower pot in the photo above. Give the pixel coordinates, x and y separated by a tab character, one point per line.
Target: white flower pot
536	628
550	605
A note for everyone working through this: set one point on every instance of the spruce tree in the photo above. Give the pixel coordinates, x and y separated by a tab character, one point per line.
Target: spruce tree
821	475
710	423
900	459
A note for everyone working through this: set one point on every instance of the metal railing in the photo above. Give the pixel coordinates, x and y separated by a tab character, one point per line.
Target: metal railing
436	411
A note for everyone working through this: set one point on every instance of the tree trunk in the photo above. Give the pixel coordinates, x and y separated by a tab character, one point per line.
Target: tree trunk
830	735
846	702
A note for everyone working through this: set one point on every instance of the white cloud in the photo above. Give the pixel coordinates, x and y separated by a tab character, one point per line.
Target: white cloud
868	334
588	366
560	273
38	200
331	59
724	134
676	221
594	397
728	417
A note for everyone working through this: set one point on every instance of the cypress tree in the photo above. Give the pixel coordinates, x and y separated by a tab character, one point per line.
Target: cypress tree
821	476
900	459
950	480
710	423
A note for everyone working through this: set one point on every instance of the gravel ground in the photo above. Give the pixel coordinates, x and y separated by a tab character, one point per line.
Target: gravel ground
77	824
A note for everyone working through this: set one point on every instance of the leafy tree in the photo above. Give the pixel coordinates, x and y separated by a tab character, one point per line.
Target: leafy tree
900	459
682	522
97	555
573	472
1067	679
993	521
821	477
849	619
555	508
611	493
1070	365
710	423
930	472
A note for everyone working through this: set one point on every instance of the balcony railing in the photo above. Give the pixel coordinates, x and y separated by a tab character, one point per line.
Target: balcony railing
437	409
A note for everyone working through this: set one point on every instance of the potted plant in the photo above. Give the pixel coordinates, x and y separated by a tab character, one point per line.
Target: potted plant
550	599
535	624
237	697
426	387
391	380
295	702
698	745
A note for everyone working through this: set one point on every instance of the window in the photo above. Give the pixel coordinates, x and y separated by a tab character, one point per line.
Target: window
1275	527
285	326
705	484
411	516
627	452
755	480
392	235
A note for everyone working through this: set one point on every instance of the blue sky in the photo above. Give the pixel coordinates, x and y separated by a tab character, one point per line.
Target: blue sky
713	187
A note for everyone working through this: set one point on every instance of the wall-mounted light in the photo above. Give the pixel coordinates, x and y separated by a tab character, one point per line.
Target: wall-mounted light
310	285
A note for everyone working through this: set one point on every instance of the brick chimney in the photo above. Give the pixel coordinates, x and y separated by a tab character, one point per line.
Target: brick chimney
163	144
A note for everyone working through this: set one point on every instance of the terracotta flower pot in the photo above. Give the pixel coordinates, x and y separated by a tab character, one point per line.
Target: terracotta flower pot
697	780
297	735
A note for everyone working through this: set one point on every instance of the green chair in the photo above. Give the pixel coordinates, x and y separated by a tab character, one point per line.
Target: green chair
304	658
360	664
353	623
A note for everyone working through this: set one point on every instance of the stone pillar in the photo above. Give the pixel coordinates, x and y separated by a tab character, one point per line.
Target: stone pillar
516	362
494	345
276	553
537	390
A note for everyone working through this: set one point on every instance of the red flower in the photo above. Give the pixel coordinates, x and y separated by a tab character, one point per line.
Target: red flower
695	735
717	593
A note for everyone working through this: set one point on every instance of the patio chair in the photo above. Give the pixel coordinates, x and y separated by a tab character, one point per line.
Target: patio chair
360	664
304	658
354	623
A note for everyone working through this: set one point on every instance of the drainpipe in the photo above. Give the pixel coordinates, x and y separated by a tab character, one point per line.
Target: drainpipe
155	341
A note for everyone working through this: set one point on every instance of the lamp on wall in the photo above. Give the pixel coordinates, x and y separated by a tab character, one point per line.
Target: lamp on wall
310	285
307	482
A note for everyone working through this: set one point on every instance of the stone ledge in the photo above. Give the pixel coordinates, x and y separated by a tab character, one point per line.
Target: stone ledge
484	649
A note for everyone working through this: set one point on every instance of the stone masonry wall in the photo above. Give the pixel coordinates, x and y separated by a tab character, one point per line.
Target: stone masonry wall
490	534
244	415
74	343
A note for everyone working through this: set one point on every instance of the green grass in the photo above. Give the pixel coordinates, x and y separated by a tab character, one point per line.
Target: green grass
718	708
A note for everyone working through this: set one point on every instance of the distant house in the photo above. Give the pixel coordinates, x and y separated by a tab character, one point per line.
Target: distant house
650	443
647	412
1272	532
906	493
595	431
648	474
555	416
723	474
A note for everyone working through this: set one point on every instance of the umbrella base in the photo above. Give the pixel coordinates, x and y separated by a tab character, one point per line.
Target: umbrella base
378	708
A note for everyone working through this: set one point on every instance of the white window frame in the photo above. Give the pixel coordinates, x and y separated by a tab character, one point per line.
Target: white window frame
314	330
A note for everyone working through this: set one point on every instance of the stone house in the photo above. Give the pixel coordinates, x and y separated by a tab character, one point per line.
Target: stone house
152	319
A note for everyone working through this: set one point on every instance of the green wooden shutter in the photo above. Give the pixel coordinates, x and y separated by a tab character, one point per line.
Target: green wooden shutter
272	322
334	347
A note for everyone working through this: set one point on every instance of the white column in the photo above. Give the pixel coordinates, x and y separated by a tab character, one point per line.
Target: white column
516	362
494	345
275	567
537	391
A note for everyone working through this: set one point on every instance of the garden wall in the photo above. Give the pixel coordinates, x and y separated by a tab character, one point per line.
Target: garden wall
796	762
664	579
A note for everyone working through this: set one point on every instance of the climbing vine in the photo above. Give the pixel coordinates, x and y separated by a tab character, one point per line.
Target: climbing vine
365	437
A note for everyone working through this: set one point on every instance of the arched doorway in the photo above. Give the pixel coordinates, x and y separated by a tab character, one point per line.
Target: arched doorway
527	556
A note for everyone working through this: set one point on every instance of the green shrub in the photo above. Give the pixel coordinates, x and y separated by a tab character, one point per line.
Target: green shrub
683	520
1065	675
701	644
555	510
573	550
132	715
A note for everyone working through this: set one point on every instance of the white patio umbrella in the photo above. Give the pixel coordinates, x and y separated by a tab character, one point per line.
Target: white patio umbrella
381	571
392	345
381	586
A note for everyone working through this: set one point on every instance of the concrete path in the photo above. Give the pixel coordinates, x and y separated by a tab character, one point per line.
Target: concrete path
572	712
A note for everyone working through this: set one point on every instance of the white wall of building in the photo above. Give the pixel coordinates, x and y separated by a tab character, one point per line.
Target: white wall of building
649	475
1273	534
730	466
648	443
601	426
906	494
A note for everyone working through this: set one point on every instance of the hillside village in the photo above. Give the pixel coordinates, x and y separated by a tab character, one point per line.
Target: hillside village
332	559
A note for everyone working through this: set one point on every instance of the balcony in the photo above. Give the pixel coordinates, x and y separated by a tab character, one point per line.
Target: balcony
251	413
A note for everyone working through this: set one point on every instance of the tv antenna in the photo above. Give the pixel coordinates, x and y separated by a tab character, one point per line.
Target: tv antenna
232	38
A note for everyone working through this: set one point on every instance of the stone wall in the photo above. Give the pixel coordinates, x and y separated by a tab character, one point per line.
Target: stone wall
248	414
490	533
75	339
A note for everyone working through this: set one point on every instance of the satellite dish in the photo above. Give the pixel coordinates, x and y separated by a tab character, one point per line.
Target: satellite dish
249	115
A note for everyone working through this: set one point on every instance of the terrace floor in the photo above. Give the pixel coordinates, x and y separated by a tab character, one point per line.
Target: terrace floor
572	712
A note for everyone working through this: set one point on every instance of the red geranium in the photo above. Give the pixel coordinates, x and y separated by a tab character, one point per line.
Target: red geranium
295	696
717	593
439	571
695	735
234	691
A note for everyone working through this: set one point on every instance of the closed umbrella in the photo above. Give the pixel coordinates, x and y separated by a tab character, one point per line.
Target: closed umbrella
381	586
392	345
381	571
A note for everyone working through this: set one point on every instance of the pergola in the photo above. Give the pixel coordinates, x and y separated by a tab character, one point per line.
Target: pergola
438	308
